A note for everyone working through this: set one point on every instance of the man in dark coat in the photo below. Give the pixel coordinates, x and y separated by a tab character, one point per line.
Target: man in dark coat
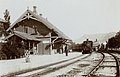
66	51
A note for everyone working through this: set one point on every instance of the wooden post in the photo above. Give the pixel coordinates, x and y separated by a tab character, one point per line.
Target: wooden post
29	47
37	49
50	43
23	45
34	52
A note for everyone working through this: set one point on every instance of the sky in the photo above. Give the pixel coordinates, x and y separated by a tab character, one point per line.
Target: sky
74	18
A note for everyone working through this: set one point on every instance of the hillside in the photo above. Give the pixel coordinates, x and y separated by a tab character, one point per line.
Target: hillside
100	37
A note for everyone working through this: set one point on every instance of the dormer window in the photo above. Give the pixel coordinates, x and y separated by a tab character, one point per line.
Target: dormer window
34	30
26	29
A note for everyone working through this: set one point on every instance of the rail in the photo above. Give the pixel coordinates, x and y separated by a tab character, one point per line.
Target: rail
97	66
40	67
117	65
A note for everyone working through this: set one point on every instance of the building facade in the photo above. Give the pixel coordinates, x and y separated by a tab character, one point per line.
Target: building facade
36	34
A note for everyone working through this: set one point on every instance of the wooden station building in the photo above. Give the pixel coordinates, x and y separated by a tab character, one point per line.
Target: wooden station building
36	34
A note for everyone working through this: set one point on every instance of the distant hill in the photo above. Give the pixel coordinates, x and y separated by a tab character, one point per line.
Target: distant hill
100	37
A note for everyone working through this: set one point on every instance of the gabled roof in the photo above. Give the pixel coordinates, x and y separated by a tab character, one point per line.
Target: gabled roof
40	19
24	36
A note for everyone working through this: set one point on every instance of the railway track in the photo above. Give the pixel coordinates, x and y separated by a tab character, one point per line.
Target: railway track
82	66
77	69
108	63
37	68
50	68
118	58
108	67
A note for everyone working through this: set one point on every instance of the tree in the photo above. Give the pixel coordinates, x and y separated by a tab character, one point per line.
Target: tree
6	15
7	19
114	42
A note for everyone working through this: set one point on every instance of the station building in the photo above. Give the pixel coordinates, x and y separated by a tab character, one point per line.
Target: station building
36	34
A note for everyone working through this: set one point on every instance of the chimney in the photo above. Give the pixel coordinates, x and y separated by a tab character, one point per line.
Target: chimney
34	10
40	14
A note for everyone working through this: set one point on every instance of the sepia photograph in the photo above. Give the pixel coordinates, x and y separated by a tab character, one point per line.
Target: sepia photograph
59	38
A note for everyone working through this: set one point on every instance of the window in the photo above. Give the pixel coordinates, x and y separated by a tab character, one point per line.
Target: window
26	30
35	29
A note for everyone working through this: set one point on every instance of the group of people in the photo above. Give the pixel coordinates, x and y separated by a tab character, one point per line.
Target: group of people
63	49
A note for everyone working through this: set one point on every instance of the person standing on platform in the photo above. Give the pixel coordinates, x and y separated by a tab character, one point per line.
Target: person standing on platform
66	51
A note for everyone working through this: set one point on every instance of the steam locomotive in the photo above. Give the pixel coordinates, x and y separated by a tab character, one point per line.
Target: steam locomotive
85	47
